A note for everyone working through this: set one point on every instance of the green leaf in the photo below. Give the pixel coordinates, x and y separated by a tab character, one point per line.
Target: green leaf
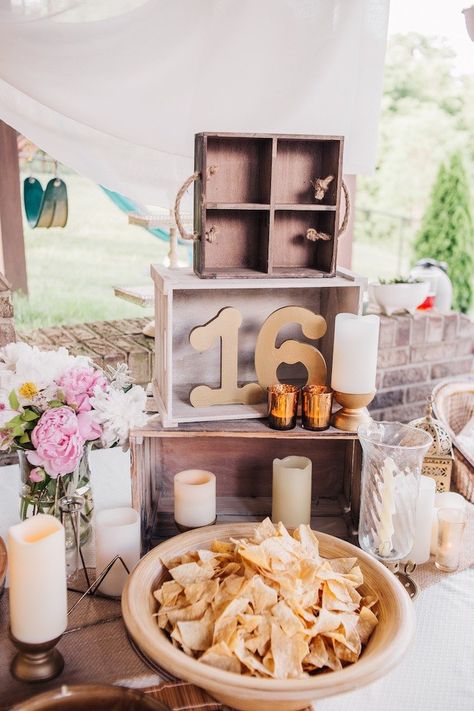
24	439
18	432
14	422
29	416
55	403
13	400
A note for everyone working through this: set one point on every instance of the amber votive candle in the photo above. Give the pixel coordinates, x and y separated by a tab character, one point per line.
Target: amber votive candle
316	408
282	406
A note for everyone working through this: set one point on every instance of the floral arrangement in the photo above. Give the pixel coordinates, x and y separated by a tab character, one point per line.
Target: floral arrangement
53	405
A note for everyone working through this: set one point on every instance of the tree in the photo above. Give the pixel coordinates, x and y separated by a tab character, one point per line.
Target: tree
446	231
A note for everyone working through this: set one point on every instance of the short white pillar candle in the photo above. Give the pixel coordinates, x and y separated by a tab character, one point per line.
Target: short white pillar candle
444	500
291	495
420	552
117	532
38	587
194	498
354	362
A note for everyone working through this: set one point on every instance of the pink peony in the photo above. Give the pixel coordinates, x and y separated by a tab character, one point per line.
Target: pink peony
57	441
79	384
89	429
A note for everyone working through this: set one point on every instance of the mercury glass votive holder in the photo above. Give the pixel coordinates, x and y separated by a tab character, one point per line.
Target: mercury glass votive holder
451	525
282	406
316	407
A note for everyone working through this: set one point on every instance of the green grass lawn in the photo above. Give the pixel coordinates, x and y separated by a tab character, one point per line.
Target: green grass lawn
72	271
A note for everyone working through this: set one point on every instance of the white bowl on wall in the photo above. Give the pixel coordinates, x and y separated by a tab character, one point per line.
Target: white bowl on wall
393	298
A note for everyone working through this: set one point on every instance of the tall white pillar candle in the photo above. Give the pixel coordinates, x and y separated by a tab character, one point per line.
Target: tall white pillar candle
354	362
38	588
444	500
420	552
117	532
291	495
194	498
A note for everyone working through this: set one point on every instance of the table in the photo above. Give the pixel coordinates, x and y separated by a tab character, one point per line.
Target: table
436	674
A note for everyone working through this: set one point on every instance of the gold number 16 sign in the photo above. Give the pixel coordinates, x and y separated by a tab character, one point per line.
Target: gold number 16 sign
225	328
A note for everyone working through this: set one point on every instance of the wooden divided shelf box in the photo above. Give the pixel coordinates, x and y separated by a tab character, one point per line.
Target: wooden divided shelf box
255	203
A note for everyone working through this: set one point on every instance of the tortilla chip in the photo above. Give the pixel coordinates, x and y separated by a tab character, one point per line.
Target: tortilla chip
267	606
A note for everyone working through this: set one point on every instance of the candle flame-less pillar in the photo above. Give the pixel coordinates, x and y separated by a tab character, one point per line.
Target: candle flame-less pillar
38	596
354	368
420	552
291	496
117	533
194	499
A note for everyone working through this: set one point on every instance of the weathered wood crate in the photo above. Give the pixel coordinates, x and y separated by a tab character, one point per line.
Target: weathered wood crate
241	456
184	302
256	200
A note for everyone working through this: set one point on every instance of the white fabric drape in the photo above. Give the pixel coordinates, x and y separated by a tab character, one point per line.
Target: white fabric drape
119	98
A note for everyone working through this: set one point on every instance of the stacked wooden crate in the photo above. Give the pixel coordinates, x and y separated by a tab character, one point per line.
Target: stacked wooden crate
266	240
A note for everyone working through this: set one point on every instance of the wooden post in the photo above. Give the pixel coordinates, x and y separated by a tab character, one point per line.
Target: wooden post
344	250
12	243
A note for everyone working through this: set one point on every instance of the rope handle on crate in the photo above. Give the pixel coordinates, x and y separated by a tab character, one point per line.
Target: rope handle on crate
315	235
179	223
311	234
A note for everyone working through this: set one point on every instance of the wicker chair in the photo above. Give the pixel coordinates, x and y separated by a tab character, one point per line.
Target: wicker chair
454	406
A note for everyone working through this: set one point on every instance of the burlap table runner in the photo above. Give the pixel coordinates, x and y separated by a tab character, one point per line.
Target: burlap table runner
96	648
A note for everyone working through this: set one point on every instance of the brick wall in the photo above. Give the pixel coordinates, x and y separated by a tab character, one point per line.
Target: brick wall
415	352
105	342
7	329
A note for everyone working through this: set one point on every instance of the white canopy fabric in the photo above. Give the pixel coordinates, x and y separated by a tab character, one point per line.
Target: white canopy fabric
117	90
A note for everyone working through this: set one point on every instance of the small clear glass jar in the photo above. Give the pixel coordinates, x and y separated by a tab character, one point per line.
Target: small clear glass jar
392	457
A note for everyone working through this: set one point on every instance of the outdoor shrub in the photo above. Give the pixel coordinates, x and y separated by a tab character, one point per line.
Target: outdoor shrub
447	230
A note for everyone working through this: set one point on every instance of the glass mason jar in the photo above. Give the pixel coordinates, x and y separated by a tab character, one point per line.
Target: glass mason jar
392	457
44	496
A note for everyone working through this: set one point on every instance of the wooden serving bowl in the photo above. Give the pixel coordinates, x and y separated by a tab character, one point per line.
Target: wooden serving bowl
93	697
385	649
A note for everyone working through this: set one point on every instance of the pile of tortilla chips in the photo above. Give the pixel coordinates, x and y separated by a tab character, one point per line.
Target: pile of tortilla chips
268	606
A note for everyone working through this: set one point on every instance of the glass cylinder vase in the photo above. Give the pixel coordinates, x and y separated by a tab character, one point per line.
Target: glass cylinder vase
392	457
43	496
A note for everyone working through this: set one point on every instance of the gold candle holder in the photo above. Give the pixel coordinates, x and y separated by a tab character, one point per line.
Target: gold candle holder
282	406
353	411
36	662
316	408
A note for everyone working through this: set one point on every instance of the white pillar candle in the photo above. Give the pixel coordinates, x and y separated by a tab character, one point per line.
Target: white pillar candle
354	362
291	496
194	498
117	532
444	500
38	588
425	502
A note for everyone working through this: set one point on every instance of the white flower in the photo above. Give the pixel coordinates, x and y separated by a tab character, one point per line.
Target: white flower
120	377
21	363
118	412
